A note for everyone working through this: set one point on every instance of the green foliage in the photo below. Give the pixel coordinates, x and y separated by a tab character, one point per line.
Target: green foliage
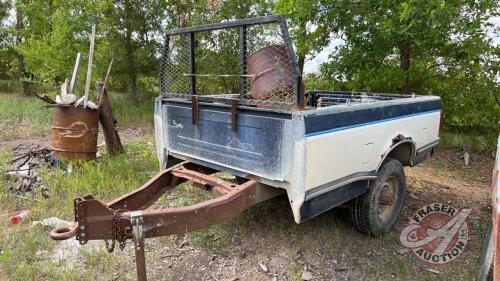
425	47
309	37
131	29
8	63
486	143
52	34
10	86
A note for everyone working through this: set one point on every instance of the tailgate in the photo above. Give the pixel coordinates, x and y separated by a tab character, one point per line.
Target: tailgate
255	148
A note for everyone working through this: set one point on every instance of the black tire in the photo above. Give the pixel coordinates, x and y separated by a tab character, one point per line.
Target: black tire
374	214
485	272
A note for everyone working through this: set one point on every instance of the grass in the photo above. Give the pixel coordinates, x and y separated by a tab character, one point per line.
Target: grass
22	245
25	248
16	86
22	116
486	143
132	112
26	116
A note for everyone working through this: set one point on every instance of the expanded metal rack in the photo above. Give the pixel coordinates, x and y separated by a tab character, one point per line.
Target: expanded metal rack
251	61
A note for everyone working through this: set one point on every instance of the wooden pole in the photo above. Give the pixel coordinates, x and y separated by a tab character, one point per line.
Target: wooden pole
89	67
113	142
75	74
105	81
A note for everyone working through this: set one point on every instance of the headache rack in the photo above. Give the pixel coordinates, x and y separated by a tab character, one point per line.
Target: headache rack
317	98
248	62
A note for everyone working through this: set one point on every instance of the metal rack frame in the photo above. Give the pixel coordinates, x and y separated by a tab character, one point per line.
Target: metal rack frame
242	24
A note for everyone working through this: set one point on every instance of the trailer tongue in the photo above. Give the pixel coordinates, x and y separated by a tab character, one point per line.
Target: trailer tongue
128	217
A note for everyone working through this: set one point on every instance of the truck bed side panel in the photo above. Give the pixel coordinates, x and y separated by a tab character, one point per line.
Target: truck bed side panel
349	143
254	148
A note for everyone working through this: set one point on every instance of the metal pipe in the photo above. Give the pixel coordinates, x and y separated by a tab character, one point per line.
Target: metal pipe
192	64
138	237
229	24
89	67
72	85
243	60
293	59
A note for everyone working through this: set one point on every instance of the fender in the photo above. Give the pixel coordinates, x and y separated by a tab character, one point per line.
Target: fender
413	152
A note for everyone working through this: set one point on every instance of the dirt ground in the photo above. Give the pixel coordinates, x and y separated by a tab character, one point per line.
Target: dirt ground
264	243
272	247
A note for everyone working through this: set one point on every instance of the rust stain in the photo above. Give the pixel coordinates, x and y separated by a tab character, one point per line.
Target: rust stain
74	132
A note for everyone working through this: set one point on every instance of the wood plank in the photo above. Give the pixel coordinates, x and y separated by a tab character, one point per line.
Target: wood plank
113	142
72	85
89	67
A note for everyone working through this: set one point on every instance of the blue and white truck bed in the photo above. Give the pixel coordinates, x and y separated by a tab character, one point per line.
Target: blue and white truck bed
315	154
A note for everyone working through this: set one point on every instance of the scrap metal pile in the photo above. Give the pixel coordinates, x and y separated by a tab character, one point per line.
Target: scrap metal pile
22	172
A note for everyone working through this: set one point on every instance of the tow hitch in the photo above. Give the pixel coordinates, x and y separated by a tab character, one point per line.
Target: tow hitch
128	217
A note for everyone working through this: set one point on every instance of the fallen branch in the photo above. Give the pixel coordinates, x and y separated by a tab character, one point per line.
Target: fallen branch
45	98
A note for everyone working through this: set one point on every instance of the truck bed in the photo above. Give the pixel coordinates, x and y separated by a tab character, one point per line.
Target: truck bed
267	142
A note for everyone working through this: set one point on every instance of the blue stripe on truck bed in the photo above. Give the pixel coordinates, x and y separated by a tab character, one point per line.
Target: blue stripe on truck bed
336	121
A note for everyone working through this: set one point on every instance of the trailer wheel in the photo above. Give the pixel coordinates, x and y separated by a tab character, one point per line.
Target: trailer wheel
377	211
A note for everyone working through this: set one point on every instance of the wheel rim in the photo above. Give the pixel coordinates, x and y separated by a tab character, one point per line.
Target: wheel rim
387	199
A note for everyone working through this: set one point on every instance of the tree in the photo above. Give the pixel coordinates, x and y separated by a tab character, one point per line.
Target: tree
49	34
4	11
392	34
309	37
429	46
6	55
133	37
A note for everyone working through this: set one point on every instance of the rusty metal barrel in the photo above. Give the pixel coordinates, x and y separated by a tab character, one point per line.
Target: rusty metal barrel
274	75
74	132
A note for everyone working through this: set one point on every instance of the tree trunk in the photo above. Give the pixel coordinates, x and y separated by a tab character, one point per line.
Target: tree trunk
129	48
301	59
133	83
132	71
404	64
24	75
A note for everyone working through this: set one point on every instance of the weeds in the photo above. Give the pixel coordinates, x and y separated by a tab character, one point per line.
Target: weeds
22	116
25	248
474	142
131	111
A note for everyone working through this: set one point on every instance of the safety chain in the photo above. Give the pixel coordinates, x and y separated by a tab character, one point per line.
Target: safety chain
118	233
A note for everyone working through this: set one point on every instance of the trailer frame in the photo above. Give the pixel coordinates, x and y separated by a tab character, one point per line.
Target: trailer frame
129	216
